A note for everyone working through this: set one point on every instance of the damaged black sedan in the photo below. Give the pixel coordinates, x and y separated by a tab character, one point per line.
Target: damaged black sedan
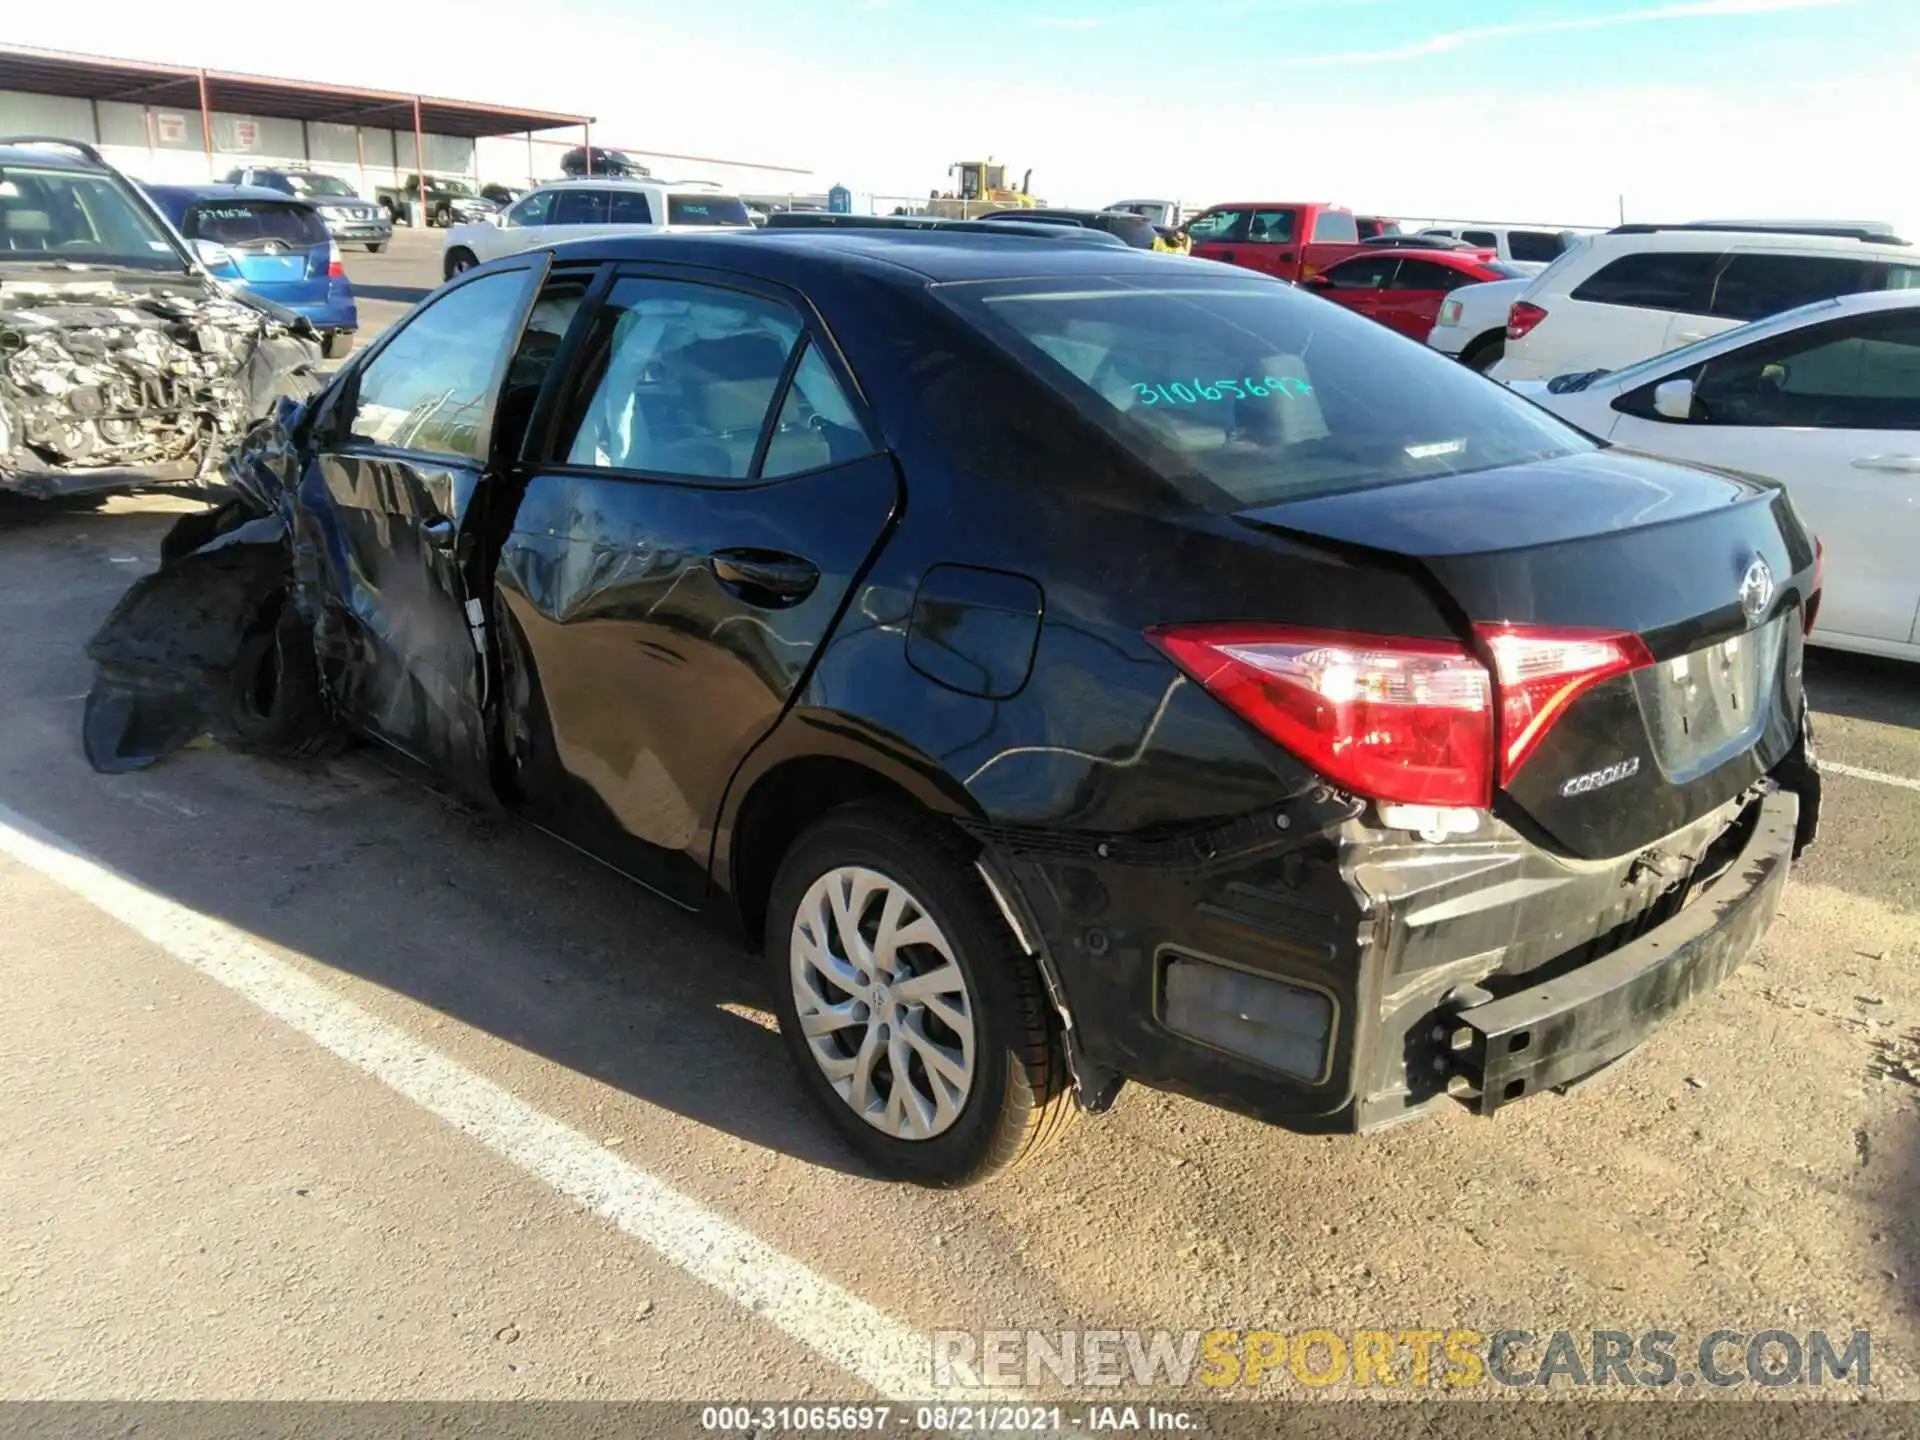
123	364
1070	665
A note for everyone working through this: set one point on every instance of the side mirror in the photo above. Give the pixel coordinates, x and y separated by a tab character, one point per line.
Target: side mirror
1674	399
1317	282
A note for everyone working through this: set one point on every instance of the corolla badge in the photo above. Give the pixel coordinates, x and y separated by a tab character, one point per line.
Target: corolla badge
1600	779
1756	590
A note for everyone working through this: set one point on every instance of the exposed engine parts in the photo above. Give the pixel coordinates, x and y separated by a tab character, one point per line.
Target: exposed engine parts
97	376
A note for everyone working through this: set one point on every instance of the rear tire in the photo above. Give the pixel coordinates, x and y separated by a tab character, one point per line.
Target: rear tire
375	247
339	345
1483	354
982	1071
459	258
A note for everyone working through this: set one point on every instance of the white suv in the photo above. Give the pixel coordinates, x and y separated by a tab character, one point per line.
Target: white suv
575	209
1639	290
1533	247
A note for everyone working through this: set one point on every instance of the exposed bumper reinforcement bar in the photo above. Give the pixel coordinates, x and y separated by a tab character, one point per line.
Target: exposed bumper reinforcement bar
1555	1033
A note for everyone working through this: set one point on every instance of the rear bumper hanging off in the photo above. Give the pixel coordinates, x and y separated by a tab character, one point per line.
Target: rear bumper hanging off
1557	1032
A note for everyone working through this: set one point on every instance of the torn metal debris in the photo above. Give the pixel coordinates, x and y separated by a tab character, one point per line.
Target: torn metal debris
104	384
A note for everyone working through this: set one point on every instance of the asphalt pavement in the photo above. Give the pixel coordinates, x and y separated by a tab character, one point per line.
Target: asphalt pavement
317	1084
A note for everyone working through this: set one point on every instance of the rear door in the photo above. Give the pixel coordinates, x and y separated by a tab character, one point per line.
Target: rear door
1832	410
388	507
696	506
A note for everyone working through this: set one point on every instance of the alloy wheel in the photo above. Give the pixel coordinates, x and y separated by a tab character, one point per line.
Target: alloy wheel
883	1004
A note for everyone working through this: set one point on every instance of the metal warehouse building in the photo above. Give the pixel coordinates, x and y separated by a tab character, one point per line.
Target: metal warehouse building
172	123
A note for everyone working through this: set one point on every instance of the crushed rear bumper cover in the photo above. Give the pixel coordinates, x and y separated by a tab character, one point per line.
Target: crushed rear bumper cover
1557	1032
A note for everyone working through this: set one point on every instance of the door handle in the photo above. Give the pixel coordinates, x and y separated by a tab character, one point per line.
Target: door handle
1895	464
769	579
438	533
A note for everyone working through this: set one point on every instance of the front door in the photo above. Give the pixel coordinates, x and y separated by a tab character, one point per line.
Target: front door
693	519
401	457
1412	301
1833	411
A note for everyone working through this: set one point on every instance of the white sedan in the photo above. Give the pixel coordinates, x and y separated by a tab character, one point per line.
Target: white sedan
576	209
1825	398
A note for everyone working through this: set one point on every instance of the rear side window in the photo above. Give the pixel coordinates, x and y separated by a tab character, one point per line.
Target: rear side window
630	207
1753	286
1534	246
1333	227
1261	392
1486	239
251	224
427	390
1654	280
684	378
816	426
579	207
706	210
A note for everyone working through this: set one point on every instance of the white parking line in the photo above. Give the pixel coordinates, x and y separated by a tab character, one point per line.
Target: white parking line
1879	777
887	1354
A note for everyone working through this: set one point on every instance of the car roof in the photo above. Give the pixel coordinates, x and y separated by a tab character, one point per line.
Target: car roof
193	194
50	158
631	182
1455	259
892	255
1786	242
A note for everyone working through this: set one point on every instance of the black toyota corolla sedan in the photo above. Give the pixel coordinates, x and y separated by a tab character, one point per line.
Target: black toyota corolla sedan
1070	665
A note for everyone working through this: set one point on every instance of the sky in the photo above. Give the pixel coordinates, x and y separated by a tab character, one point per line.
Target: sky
1556	111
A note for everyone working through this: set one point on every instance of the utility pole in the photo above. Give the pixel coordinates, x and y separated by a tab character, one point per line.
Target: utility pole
1623	209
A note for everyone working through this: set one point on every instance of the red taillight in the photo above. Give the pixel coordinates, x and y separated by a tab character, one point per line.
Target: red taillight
335	270
1407	721
1540	671
1521	318
1812	610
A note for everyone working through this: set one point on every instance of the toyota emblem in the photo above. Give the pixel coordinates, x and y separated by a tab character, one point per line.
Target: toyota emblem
1756	590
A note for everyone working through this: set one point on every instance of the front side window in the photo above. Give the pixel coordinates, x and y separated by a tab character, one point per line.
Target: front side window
682	380
1857	374
427	389
1271	227
1425	275
1654	280
532	210
1263	393
1335	227
1220	225
1754	286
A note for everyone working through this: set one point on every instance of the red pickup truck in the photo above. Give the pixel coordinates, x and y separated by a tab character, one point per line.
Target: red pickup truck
1287	238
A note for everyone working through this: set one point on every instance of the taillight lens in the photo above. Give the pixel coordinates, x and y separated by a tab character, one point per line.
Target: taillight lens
1812	611
335	269
1408	721
1540	671
1521	318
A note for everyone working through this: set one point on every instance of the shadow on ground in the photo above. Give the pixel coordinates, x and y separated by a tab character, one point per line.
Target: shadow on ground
1865	687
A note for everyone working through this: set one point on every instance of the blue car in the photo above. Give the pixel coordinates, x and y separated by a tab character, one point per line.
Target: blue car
272	246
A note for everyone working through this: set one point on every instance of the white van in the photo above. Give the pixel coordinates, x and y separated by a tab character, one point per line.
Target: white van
1639	290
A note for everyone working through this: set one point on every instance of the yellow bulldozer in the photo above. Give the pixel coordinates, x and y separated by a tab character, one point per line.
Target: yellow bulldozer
980	187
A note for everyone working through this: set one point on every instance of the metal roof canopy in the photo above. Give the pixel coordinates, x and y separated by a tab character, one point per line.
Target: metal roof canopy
90	77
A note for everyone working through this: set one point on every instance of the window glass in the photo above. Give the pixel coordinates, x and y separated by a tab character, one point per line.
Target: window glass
630	207
1365	272
817	426
311	182
1440	230
685	377
427	389
1652	280
1271	227
1853	375
1136	232
1333	227
253	224
1486	239
579	207
533	357
1425	275
706	210
1259	390
1534	246
87	218
533	209
1753	286
1219	225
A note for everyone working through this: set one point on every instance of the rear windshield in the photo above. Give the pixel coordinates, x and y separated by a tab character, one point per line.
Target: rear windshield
706	210
250	224
1267	393
305	183
1137	232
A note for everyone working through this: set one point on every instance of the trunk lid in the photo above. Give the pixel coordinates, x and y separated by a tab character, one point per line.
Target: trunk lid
1710	570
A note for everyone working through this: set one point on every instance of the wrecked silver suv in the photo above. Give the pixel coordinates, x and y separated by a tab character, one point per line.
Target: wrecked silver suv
123	364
